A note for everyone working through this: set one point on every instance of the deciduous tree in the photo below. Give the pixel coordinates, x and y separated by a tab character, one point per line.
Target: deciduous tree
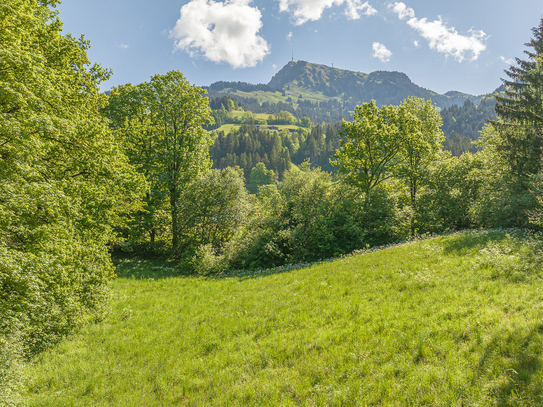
420	125
371	146
64	180
162	121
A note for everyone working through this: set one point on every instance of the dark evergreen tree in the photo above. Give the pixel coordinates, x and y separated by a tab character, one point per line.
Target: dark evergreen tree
520	111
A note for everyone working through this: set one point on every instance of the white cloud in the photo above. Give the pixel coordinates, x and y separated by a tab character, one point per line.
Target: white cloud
402	10
442	38
221	32
354	6
381	52
274	66
311	10
124	46
416	43
289	37
509	61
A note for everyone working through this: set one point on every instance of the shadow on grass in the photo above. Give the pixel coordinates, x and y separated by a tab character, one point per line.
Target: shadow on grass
470	242
521	381
139	268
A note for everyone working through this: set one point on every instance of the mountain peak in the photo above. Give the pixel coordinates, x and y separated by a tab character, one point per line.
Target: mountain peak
384	87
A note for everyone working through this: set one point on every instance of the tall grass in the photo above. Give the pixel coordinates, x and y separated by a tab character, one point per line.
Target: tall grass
450	321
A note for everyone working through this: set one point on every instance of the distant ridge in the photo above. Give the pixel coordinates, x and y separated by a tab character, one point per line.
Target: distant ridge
382	86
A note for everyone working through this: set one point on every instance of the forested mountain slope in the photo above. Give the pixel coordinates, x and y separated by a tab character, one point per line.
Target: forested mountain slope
301	81
384	87
325	94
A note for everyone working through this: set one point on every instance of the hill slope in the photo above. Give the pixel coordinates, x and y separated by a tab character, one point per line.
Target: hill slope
316	82
382	86
450	321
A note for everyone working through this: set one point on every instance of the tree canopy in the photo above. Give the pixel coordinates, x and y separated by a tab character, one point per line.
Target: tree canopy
371	145
65	183
161	123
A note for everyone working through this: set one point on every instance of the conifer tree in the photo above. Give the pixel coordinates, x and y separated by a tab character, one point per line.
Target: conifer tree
520	111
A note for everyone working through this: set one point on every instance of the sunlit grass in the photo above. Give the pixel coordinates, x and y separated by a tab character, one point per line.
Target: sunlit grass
274	97
227	128
451	321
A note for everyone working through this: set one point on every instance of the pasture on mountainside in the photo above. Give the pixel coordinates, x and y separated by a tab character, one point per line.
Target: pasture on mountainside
446	321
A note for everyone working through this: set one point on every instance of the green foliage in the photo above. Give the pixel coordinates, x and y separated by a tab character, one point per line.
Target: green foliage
390	141
283	117
505	199
305	122
224	103
64	181
248	146
260	176
371	146
11	370
65	185
310	217
133	124
161	124
179	111
463	124
212	209
206	261
453	185
520	111
420	124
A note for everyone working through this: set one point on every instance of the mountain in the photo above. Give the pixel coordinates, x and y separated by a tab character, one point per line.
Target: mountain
384	87
326	94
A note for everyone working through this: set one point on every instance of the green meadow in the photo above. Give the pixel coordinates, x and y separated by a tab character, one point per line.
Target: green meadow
294	92
227	128
447	321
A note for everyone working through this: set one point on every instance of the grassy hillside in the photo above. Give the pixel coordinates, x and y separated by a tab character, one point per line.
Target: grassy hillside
294	92
227	128
450	321
258	118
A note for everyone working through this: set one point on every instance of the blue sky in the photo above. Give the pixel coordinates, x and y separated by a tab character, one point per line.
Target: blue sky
456	45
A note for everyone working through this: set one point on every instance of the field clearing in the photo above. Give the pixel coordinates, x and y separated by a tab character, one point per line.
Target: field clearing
227	128
294	92
241	113
450	321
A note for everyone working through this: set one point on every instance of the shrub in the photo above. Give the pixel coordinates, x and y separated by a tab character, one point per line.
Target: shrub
11	370
207	261
311	217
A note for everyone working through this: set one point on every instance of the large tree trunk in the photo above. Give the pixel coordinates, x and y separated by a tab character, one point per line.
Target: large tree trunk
174	211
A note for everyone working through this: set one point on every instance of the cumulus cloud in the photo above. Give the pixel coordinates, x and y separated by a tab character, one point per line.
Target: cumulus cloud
381	52
124	46
416	43
509	61
311	10
355	7
289	37
443	39
402	10
221	32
